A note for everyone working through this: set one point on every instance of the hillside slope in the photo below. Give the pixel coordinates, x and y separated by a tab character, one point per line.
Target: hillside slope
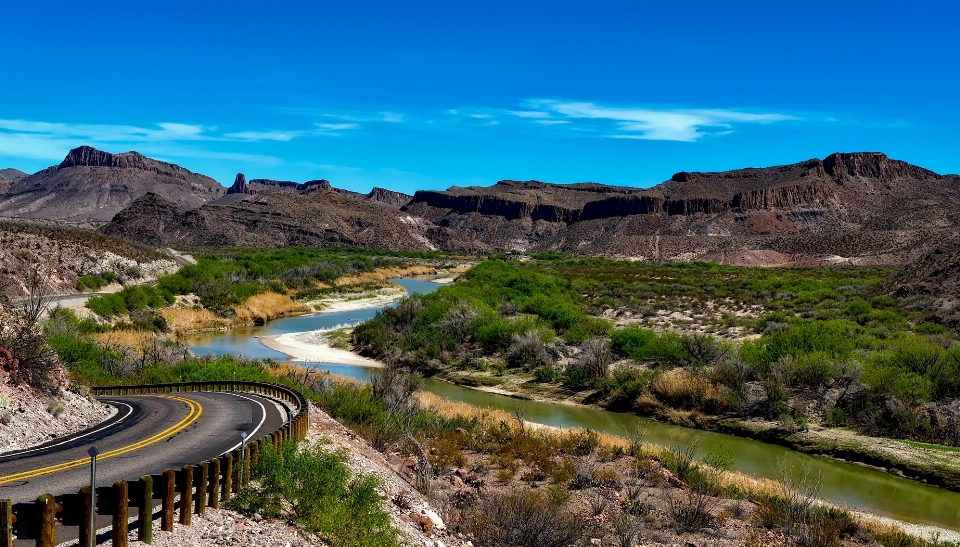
321	217
91	186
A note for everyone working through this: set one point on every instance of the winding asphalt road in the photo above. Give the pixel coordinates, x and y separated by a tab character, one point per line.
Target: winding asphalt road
149	434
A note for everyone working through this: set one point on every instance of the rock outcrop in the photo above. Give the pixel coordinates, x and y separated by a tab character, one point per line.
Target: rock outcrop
90	185
847	207
388	197
255	186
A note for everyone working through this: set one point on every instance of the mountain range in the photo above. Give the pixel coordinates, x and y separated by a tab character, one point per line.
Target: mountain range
858	208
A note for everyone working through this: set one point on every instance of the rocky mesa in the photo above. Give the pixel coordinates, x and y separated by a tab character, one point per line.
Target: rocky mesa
90	185
859	207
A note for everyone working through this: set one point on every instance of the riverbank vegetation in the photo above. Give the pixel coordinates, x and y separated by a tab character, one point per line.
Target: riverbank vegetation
779	349
251	286
568	486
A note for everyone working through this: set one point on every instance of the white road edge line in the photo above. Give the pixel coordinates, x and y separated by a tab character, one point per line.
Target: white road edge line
129	412
250	434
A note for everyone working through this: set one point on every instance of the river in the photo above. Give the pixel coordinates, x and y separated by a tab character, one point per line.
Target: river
856	487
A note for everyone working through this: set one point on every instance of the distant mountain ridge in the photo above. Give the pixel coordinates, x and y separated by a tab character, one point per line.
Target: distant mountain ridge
848	207
322	217
10	173
92	185
255	186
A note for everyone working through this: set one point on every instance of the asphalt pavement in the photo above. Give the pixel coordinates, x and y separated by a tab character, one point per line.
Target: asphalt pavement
150	433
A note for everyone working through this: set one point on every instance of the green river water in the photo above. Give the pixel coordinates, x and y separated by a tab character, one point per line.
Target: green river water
846	484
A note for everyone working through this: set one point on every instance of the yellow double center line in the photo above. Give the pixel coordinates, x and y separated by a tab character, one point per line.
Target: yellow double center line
195	411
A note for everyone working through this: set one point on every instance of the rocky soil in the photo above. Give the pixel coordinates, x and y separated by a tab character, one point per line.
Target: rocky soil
28	418
62	254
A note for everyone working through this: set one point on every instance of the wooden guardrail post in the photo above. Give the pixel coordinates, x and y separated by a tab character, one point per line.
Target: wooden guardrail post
215	483
201	479
245	472
237	469
186	495
120	514
47	513
169	493
6	523
227	475
87	510
145	510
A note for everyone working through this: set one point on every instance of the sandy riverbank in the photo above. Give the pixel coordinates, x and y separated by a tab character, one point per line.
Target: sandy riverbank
312	347
378	298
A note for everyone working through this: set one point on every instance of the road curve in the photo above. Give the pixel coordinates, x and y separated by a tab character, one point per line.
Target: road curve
149	434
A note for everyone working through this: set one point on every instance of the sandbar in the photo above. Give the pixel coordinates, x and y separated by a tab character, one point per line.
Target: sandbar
312	347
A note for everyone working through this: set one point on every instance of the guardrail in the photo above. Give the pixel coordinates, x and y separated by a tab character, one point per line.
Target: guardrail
201	485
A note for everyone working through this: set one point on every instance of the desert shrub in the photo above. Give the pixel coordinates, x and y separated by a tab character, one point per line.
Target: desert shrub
633	342
701	349
734	374
595	357
129	299
313	488
795	511
546	374
577	376
811	370
692	509
528	351
831	338
523	519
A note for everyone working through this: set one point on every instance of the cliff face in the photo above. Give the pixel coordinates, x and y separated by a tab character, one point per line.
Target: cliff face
90	185
256	186
388	197
861	206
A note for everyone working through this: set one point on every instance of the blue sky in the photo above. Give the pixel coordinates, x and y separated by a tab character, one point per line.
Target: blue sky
410	95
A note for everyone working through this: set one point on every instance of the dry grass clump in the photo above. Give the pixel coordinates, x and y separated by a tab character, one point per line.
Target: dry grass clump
383	274
260	308
184	320
681	389
130	339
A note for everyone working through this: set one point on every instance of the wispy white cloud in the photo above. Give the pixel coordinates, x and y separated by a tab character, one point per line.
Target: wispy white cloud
337	126
283	136
651	122
529	113
551	122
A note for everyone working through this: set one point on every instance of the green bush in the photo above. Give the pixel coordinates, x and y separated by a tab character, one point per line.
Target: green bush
314	489
633	342
129	299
